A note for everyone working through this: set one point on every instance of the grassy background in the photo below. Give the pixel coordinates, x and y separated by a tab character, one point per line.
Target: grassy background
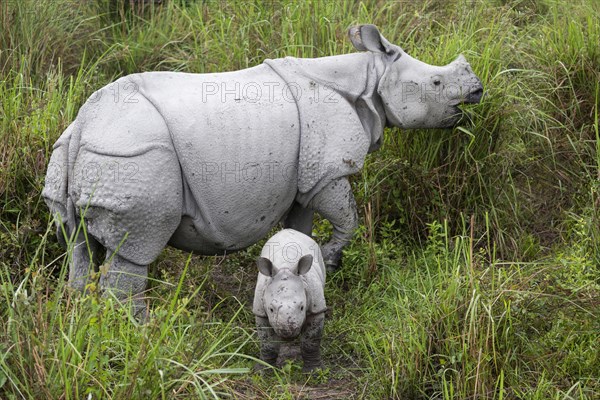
474	274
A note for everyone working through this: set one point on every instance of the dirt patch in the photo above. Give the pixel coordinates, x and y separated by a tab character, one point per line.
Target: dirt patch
332	390
233	279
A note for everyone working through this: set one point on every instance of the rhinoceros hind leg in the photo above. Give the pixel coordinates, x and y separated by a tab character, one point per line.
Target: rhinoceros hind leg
300	219
84	261
126	281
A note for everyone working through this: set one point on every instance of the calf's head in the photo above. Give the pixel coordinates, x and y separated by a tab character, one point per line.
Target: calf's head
415	94
284	298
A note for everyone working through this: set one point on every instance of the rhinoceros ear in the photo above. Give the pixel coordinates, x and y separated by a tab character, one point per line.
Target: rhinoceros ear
304	264
265	266
460	60
368	38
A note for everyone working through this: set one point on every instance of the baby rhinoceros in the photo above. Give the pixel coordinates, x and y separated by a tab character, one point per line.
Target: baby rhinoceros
289	300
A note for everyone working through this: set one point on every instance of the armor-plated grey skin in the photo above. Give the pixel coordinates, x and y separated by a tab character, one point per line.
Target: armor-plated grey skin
210	163
289	300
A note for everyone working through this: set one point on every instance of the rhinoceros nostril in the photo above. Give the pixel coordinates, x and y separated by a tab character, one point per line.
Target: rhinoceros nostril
475	95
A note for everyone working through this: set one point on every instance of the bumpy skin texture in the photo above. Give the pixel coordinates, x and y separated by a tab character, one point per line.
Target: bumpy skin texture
289	299
210	163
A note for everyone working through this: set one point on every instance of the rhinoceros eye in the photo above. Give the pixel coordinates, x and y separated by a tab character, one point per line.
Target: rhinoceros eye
437	82
301	308
271	309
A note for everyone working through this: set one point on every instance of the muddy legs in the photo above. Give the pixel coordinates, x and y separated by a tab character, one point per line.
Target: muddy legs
269	342
310	342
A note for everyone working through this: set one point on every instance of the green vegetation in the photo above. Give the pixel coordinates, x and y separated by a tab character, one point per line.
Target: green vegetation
475	273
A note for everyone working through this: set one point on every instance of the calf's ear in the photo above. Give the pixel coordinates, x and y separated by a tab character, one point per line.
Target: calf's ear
265	266
304	264
368	38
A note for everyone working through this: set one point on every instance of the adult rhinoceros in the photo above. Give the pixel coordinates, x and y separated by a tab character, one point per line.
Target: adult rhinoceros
210	163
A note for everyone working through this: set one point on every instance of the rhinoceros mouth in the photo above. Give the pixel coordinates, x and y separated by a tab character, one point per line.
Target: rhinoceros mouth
457	114
454	117
473	97
286	334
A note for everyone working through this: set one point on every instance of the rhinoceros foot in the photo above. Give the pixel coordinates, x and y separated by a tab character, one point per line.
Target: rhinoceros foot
332	256
309	369
262	369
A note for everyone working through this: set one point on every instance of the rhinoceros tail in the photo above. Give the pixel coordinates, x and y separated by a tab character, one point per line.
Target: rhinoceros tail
55	191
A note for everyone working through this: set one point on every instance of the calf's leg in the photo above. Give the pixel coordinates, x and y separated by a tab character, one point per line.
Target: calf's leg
270	343
310	342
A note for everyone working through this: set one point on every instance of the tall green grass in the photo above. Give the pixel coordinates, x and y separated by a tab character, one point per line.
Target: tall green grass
470	328
56	344
474	273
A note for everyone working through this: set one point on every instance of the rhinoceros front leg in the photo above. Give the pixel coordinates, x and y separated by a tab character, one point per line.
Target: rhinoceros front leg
270	343
310	342
126	281
84	261
335	202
